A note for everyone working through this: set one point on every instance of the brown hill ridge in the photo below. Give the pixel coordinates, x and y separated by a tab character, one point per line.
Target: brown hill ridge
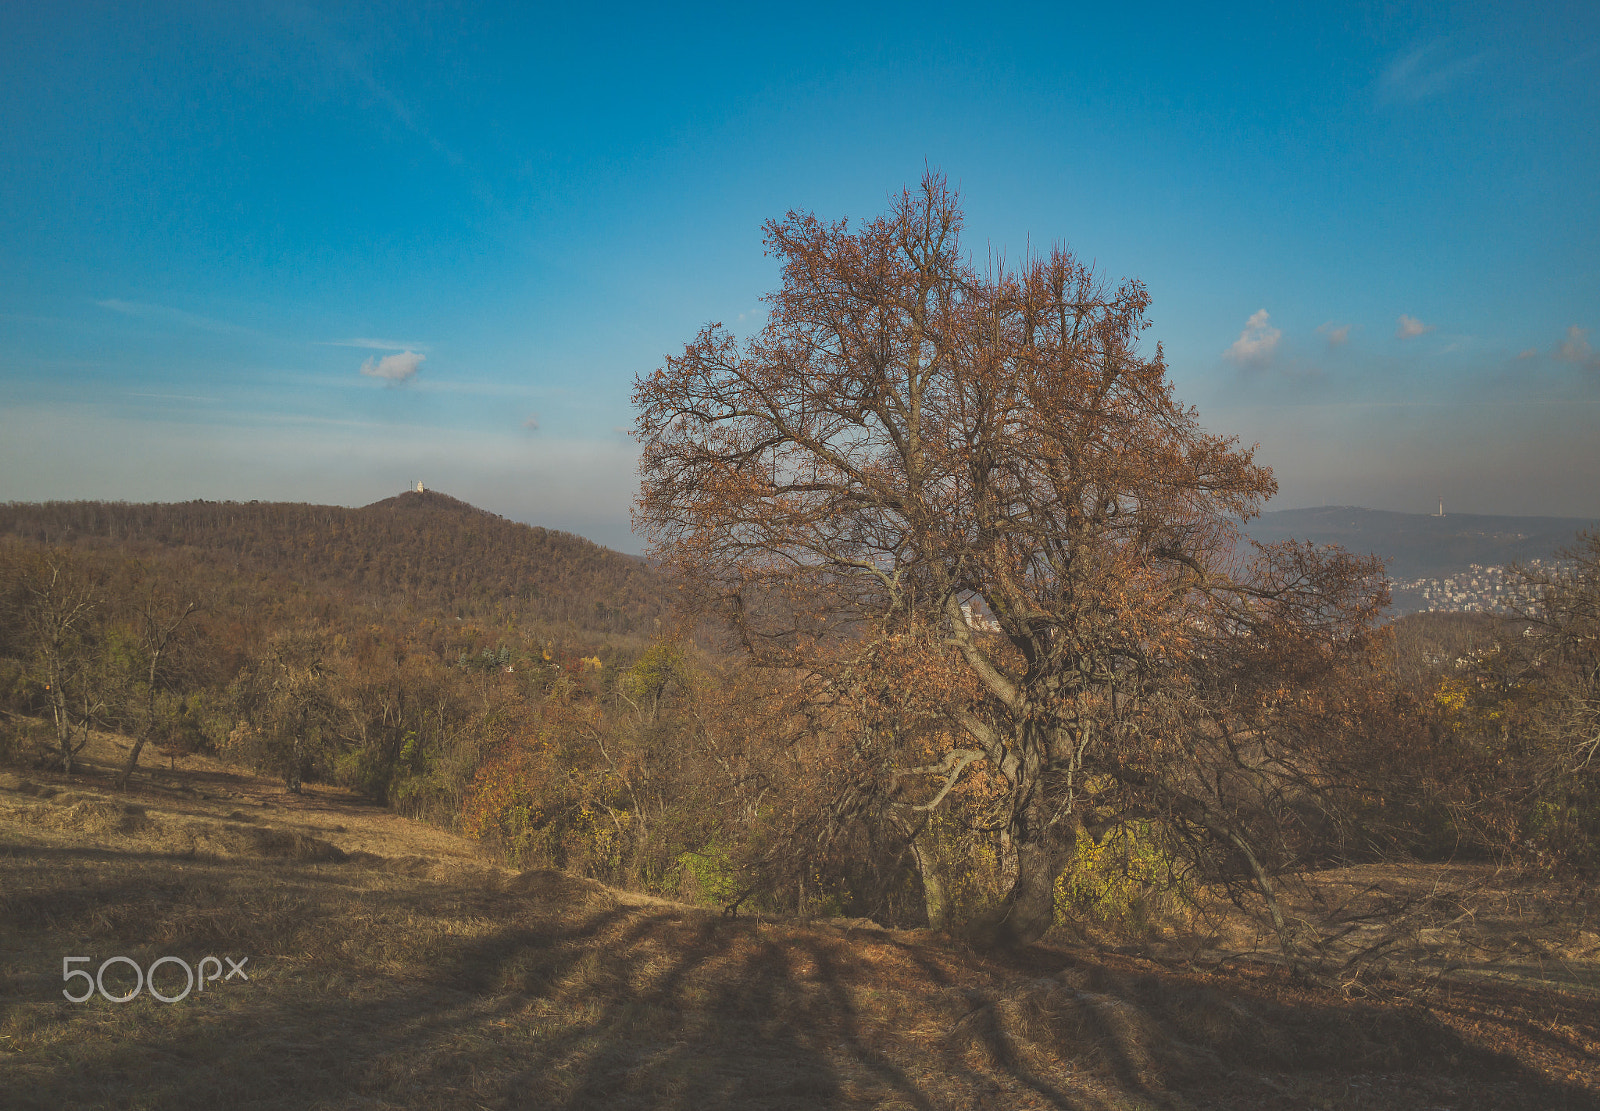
427	550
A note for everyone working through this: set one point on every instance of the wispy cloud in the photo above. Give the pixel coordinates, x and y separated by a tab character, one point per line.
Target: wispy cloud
1256	342
375	344
1577	349
395	369
166	315
172	397
532	422
1338	334
342	56
1409	327
1425	72
1529	353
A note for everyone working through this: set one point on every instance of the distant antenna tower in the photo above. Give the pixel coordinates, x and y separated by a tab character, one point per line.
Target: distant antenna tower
1438	514
420	490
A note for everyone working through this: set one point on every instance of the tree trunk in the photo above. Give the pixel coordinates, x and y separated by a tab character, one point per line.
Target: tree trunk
133	761
1030	906
1028	909
63	724
147	728
933	893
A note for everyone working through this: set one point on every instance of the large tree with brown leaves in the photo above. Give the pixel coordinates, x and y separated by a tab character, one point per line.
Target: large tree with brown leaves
965	494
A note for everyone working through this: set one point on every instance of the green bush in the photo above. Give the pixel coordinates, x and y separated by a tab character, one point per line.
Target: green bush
1565	829
706	874
1128	880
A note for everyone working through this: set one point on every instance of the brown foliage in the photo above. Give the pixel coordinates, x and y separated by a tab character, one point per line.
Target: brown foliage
427	551
910	441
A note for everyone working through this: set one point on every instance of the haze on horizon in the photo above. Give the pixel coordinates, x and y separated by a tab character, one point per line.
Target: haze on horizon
257	251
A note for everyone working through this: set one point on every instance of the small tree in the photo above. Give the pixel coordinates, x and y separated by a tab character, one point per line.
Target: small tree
60	617
948	494
287	706
156	622
1553	666
1566	632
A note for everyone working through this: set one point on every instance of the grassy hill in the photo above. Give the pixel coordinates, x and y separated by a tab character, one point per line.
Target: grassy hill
389	966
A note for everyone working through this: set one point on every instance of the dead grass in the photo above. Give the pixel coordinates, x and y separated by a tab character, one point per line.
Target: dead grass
391	967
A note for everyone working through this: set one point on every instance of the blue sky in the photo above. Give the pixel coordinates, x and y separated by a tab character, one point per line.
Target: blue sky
1371	233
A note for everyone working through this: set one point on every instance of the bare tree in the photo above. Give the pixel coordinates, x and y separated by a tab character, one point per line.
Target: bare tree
939	492
157	621
63	606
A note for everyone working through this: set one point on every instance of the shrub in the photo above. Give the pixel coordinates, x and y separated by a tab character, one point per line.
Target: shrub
1129	880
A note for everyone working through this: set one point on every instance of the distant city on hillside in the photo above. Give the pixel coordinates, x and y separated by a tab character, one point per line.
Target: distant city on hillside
1455	563
1478	589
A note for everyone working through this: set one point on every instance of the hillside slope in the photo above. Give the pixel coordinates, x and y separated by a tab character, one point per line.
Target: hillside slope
388	966
426	550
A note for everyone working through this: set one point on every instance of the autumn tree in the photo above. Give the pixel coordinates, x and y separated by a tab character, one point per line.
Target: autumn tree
1565	630
286	705
970	513
1549	671
156	619
61	618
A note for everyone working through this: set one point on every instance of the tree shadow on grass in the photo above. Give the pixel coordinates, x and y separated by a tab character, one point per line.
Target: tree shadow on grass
548	994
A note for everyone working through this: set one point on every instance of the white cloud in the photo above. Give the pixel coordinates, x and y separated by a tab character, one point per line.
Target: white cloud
1410	327
395	369
172	397
1338	334
1576	348
166	315
375	344
1256	342
1528	354
532	423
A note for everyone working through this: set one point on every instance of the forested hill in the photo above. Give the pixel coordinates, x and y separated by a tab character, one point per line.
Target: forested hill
427	550
1419	545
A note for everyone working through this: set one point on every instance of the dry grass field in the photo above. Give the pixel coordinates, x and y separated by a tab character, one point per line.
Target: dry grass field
391	966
